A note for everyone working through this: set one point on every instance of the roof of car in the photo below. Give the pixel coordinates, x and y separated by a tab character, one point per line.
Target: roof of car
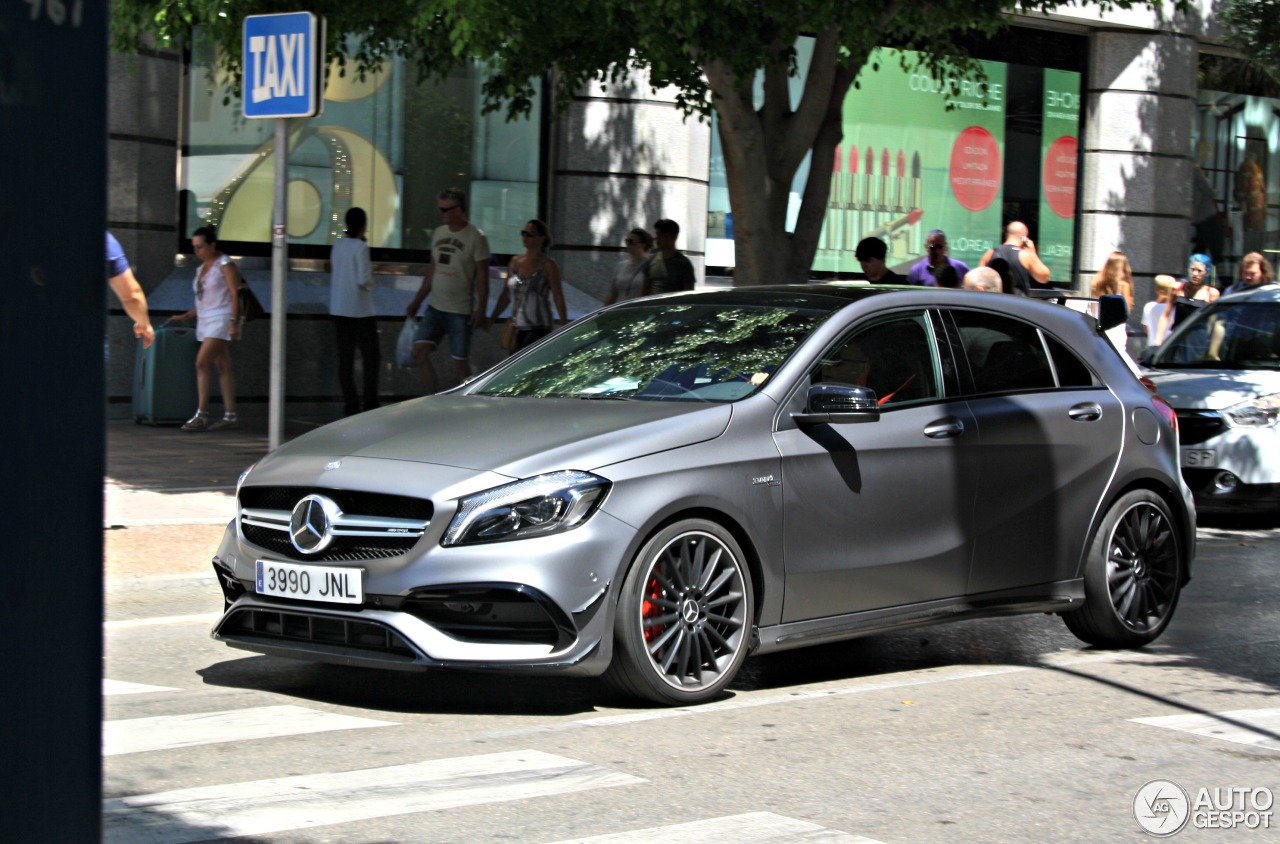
1261	293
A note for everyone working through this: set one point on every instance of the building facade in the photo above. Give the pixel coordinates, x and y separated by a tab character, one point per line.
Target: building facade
1091	128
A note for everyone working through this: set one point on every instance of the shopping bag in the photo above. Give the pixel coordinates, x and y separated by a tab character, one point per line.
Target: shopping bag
404	343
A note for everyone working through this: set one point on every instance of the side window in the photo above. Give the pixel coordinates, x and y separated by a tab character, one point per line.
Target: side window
894	357
1004	354
1072	372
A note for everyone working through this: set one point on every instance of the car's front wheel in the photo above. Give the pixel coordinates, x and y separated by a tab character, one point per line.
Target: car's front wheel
1133	574
684	617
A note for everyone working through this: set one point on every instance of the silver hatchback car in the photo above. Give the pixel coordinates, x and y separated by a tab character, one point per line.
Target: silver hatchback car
671	484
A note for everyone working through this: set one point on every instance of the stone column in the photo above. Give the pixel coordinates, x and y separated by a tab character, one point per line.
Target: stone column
143	110
621	157
1137	157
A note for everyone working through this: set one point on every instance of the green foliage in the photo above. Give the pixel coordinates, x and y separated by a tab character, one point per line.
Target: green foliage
1253	26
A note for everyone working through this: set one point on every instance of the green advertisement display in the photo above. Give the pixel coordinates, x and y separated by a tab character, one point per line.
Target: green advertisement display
909	164
1059	147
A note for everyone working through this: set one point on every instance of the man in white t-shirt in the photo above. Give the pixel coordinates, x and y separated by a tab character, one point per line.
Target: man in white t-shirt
458	281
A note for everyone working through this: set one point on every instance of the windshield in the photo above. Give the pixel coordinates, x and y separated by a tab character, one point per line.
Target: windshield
1230	335
660	351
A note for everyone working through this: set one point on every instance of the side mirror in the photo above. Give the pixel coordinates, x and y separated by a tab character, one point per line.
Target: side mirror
1113	310
836	402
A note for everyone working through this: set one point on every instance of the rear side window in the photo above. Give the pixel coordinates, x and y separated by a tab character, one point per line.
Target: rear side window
1072	372
1004	354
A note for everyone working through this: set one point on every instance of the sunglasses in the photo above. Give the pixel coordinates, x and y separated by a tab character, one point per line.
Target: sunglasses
529	234
447	208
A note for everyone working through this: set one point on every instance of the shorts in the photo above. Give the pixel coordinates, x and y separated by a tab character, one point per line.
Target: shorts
213	325
435	324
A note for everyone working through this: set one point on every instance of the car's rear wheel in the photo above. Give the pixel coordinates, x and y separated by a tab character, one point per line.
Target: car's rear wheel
683	624
1133	574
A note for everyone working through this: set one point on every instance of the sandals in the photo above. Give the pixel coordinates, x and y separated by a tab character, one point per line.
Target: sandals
199	422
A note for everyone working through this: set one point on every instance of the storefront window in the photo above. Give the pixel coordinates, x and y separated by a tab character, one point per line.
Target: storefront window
907	164
1233	209
385	143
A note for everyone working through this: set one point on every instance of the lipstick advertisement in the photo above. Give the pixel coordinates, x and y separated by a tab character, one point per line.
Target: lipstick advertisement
919	154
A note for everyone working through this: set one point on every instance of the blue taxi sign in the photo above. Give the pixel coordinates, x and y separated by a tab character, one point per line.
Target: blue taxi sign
283	65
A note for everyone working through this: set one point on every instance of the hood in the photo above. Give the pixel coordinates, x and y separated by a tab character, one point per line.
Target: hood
516	437
1213	389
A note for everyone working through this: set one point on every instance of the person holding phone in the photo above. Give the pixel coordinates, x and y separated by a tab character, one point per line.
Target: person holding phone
1029	272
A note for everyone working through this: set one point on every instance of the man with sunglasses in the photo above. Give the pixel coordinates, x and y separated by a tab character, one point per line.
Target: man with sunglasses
458	280
925	271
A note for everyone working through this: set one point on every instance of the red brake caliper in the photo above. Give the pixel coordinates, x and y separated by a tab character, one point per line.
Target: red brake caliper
650	610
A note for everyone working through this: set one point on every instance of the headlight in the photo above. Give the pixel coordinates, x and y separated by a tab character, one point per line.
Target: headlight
1262	412
534	506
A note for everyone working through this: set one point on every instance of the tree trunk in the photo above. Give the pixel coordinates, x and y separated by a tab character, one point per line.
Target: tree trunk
764	148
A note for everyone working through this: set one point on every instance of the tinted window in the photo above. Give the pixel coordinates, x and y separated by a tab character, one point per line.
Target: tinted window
1072	372
1004	354
894	357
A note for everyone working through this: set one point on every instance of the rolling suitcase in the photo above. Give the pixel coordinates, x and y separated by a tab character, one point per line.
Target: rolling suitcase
164	377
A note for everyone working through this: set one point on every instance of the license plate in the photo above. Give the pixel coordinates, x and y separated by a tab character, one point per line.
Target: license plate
331	584
1199	457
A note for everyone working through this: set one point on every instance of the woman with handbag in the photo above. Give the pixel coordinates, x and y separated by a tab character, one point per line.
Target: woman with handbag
533	281
218	322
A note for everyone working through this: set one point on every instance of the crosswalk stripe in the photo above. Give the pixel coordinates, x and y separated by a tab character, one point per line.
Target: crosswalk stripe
1255	727
166	732
302	802
120	687
751	828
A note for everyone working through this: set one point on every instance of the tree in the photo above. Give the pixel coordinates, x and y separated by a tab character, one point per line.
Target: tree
1253	27
712	51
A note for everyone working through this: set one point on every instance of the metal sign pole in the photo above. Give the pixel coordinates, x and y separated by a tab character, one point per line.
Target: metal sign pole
279	279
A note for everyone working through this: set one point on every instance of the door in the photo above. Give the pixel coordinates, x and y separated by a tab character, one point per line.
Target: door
1048	435
879	513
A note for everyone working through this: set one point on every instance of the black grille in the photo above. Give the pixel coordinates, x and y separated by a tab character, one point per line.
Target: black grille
343	549
1197	426
350	501
274	625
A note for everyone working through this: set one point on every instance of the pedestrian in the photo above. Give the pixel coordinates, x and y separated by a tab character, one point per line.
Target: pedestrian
628	278
937	255
668	270
983	280
351	306
533	282
1019	250
1158	315
218	322
128	291
1255	270
870	254
945	275
1200	285
457	279
1116	279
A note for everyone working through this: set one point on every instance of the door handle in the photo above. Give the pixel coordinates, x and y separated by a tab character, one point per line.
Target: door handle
1087	412
944	429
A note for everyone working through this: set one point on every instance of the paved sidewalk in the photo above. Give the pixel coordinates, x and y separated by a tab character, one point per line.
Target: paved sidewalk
168	494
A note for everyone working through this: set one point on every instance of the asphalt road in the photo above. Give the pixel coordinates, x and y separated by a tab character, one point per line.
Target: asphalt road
1002	730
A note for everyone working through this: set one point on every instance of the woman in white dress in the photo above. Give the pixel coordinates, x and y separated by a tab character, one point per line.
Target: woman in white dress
628	278
218	322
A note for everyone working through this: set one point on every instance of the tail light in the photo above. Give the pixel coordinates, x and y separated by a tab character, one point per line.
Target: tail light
1165	411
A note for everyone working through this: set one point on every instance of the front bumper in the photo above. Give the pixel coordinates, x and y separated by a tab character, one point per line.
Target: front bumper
539	605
